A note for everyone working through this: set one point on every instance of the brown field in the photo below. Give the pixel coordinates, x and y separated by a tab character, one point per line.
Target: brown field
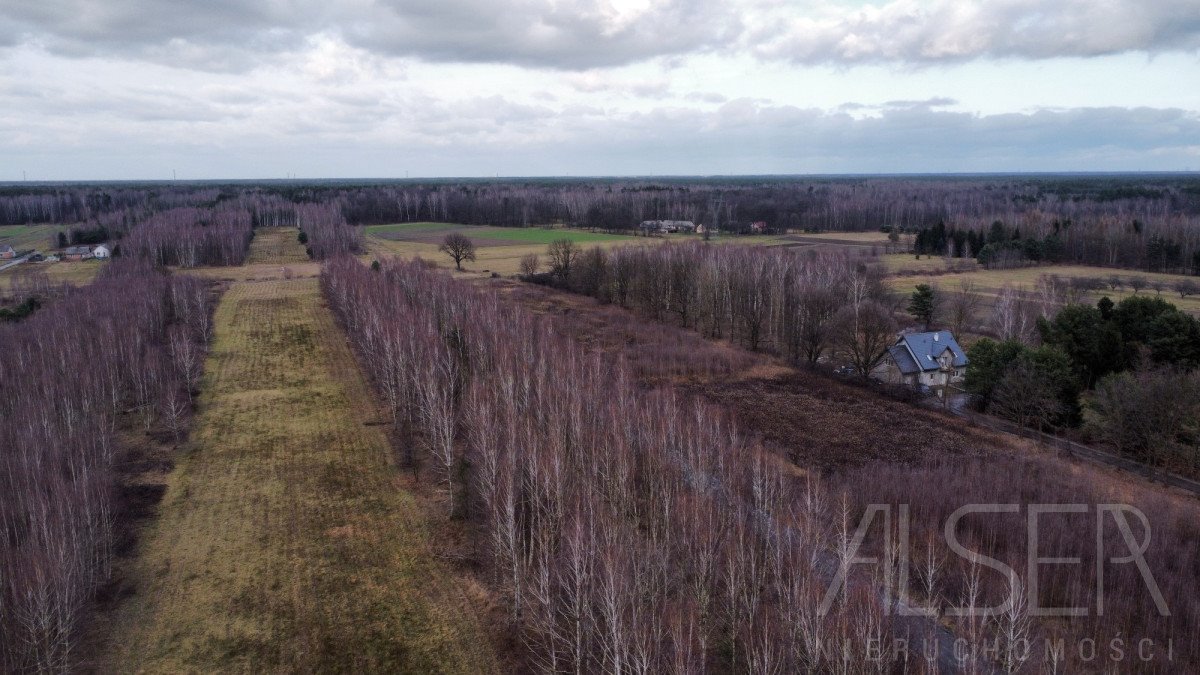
286	539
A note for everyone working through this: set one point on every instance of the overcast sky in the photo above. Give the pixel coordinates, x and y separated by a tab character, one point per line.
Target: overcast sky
136	89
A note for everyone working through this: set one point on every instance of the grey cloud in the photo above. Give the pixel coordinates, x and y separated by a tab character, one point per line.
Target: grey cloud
234	35
431	136
935	102
230	35
930	31
564	34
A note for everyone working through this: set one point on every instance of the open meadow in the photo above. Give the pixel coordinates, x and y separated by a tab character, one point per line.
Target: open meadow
23	237
988	283
500	249
286	540
74	273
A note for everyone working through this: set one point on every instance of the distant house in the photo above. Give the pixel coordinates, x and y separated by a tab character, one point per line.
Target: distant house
77	253
932	359
7	252
667	226
758	227
101	251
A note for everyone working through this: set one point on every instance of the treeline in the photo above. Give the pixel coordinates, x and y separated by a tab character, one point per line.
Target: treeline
624	530
126	349
801	305
1094	211
1165	244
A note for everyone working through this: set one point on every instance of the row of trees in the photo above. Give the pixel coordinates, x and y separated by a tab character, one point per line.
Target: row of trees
125	350
626	531
801	305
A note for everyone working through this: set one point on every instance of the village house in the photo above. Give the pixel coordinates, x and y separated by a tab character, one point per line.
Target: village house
101	252
932	359
77	253
758	227
7	252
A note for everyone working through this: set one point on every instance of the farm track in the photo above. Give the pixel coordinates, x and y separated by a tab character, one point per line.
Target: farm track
286	541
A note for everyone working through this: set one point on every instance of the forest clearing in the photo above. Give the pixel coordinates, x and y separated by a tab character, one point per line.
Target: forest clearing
285	540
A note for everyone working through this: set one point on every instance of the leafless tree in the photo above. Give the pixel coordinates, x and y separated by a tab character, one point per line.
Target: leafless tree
962	306
459	247
530	263
562	253
864	332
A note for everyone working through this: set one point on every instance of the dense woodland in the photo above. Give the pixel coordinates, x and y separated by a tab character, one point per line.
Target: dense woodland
626	531
121	355
1146	222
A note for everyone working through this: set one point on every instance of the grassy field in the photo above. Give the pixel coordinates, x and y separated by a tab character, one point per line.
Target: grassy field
497	249
500	249
487	235
286	540
989	282
907	263
29	236
76	273
276	246
274	254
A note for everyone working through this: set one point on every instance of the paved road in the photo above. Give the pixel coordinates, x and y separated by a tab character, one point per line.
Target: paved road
13	263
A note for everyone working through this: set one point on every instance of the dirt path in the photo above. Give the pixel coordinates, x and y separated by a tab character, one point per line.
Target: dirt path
284	541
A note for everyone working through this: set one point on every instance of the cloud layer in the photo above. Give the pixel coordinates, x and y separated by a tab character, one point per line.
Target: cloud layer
226	88
581	34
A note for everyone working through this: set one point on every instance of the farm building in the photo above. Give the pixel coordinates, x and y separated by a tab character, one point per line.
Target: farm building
7	252
932	359
101	251
77	253
668	226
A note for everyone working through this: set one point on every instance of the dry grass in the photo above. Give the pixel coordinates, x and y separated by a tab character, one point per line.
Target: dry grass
258	272
989	282
907	263
75	273
847	237
276	246
505	260
285	540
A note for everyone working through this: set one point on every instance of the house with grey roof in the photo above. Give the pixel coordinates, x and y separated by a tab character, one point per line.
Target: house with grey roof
77	253
931	358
